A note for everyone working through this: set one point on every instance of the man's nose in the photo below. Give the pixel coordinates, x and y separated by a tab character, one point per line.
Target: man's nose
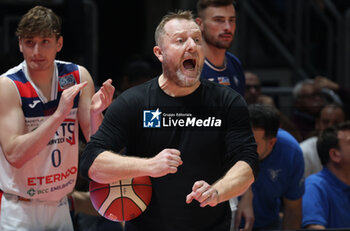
191	45
36	48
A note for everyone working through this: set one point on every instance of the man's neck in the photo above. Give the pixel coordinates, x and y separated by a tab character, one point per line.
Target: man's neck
341	172
216	56
172	89
43	80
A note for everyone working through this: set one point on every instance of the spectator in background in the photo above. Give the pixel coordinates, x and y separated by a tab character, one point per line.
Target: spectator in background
307	105
280	183
331	114
136	72
252	93
217	21
334	92
326	202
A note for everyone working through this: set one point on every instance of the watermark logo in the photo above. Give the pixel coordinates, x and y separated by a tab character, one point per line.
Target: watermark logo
152	118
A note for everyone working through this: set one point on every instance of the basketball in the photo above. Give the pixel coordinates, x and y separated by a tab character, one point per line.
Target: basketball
123	200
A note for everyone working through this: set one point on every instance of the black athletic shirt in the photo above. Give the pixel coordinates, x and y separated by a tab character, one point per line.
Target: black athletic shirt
210	127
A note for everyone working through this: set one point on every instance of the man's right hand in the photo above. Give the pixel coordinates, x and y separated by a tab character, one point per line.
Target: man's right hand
67	99
165	162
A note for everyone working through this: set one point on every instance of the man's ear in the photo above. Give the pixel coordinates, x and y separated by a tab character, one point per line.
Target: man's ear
334	155
158	52
199	23
20	44
272	142
59	44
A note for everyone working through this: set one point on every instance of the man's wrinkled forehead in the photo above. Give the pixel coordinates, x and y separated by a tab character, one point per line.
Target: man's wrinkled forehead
180	26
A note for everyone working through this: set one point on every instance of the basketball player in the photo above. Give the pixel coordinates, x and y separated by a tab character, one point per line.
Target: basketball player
42	103
192	136
217	20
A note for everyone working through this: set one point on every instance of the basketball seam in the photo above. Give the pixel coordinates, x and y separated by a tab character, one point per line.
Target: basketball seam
93	190
138	195
109	191
121	197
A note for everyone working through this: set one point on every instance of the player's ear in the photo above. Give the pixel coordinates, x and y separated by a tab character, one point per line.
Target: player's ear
272	142
199	22
335	155
59	43
20	44
158	52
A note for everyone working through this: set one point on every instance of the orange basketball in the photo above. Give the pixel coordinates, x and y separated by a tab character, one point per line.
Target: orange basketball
123	200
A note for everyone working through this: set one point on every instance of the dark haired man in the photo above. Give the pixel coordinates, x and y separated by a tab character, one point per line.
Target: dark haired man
280	180
217	21
326	202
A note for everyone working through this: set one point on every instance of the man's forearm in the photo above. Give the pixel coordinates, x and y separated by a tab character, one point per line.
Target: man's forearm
236	181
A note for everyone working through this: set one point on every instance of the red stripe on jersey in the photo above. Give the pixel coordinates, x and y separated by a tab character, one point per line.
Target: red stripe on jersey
0	201
76	77
26	89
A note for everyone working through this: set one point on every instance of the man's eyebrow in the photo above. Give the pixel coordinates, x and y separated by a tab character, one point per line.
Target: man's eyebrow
221	16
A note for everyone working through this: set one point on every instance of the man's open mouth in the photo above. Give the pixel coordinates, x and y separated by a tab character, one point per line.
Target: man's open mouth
189	64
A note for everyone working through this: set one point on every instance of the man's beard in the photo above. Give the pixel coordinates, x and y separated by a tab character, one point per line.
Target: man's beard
179	78
217	43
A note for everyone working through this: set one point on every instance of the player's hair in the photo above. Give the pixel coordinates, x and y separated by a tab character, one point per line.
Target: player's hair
181	14
204	4
328	139
39	21
265	117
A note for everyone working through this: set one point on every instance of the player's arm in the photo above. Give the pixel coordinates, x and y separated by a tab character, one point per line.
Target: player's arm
109	167
245	209
91	104
19	145
315	227
235	182
291	214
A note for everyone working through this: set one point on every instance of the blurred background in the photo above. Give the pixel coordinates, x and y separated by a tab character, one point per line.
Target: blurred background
283	41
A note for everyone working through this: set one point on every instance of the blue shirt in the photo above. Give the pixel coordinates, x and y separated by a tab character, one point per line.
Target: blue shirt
281	175
326	201
231	75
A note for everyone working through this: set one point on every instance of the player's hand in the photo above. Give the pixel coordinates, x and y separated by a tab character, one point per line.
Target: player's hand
165	162
102	98
245	209
67	99
204	193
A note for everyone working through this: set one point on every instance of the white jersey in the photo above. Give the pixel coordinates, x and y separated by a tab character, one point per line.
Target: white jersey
51	174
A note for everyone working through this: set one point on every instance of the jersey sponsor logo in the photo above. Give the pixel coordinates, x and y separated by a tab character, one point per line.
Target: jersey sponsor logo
32	192
152	118
67	81
65	133
53	178
224	81
35	102
157	119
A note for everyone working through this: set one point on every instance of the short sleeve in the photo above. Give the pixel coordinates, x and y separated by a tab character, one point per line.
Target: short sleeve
296	186
315	205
